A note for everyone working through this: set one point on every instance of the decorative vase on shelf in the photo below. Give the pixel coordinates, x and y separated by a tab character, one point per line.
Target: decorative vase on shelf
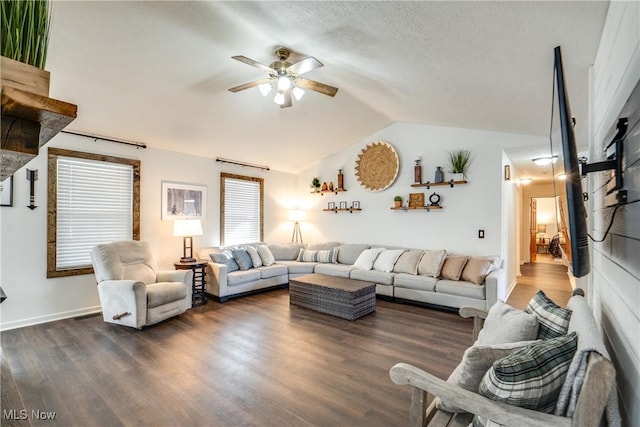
417	172
439	176
340	180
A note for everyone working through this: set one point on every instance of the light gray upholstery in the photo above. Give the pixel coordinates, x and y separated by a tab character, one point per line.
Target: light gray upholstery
338	270
131	289
461	288
378	277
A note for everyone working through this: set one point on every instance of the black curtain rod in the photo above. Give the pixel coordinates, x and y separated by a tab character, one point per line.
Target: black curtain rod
102	138
249	165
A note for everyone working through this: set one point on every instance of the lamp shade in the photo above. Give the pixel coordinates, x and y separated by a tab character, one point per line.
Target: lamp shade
187	227
296	215
542	228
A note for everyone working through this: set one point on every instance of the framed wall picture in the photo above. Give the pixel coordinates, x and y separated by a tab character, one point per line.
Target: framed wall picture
180	201
343	205
6	192
332	205
355	205
416	200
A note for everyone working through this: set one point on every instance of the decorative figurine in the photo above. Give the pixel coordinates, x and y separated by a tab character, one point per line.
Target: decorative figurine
330	185
325	187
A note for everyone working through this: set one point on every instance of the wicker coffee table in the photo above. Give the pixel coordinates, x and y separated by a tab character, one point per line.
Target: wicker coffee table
337	296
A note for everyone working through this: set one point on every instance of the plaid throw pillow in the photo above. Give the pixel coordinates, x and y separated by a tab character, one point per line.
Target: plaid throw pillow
553	319
531	377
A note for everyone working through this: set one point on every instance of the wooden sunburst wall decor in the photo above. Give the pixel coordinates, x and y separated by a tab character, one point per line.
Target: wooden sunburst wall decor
377	166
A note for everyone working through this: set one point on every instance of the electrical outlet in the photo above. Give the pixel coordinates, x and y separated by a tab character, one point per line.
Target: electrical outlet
480	234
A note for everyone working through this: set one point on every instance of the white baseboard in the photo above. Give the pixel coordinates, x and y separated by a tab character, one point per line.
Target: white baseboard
49	318
512	286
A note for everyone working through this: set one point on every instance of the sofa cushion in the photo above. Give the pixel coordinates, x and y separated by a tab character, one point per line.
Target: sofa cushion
460	288
506	324
307	255
475	363
431	262
408	262
533	376
165	292
387	259
419	283
379	277
265	255
226	258
324	246
338	270
554	320
297	267
367	258
255	257
285	251
453	266
348	253
476	269
241	277
272	271
242	258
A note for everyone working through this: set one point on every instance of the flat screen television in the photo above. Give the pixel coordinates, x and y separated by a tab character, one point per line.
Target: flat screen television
577	250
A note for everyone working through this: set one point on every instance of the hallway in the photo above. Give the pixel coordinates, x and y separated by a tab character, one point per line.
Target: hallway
546	275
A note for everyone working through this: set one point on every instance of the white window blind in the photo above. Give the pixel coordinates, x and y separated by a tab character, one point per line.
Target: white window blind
94	205
242	211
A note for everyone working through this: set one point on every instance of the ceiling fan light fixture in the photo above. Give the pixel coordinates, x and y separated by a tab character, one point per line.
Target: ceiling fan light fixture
284	83
264	88
298	93
279	98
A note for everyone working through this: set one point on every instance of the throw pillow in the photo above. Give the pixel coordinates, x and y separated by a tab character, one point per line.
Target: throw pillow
226	258
367	258
554	320
255	257
505	324
242	258
453	266
307	255
408	262
476	270
431	263
476	360
533	376
328	256
265	255
387	259
349	252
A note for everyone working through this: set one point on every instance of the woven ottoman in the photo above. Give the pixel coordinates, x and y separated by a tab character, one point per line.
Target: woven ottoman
337	296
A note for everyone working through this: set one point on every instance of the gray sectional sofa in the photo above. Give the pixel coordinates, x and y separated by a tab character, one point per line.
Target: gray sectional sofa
432	277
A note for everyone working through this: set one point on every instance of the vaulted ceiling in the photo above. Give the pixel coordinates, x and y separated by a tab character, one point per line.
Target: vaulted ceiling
158	72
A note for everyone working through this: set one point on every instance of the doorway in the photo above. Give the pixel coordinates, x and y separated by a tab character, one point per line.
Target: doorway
543	227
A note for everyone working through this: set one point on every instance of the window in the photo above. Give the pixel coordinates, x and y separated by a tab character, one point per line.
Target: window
241	209
93	199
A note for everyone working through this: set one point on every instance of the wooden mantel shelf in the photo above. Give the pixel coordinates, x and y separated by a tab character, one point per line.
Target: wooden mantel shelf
29	120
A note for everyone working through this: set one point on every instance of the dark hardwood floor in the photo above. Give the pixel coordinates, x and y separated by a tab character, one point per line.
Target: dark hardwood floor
254	361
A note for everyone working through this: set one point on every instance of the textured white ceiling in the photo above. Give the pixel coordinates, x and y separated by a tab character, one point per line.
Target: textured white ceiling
158	72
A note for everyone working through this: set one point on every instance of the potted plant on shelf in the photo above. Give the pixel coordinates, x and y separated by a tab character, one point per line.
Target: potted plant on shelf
459	163
397	202
315	184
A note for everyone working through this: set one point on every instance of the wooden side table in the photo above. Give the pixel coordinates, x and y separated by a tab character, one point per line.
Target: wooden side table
198	295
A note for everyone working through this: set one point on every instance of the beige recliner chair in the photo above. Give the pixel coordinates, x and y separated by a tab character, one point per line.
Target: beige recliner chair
132	291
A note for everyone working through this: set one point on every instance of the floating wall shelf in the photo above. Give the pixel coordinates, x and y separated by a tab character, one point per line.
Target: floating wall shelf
428	184
336	191
336	210
421	208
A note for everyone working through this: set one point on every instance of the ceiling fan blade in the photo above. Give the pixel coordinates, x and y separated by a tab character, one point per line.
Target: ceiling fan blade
287	99
253	63
317	86
249	85
304	66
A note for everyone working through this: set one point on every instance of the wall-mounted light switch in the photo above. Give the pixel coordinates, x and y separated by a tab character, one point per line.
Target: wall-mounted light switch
480	234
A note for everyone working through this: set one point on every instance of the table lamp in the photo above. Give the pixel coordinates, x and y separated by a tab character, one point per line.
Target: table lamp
187	228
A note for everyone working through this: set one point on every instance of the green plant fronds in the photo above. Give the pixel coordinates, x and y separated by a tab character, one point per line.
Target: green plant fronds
25	30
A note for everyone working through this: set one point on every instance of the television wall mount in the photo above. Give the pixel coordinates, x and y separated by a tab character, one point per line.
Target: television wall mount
614	152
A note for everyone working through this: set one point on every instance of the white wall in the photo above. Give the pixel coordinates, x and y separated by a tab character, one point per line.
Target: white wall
32	298
466	208
614	287
510	223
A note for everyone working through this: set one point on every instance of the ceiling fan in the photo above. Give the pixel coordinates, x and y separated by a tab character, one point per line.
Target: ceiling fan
284	78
